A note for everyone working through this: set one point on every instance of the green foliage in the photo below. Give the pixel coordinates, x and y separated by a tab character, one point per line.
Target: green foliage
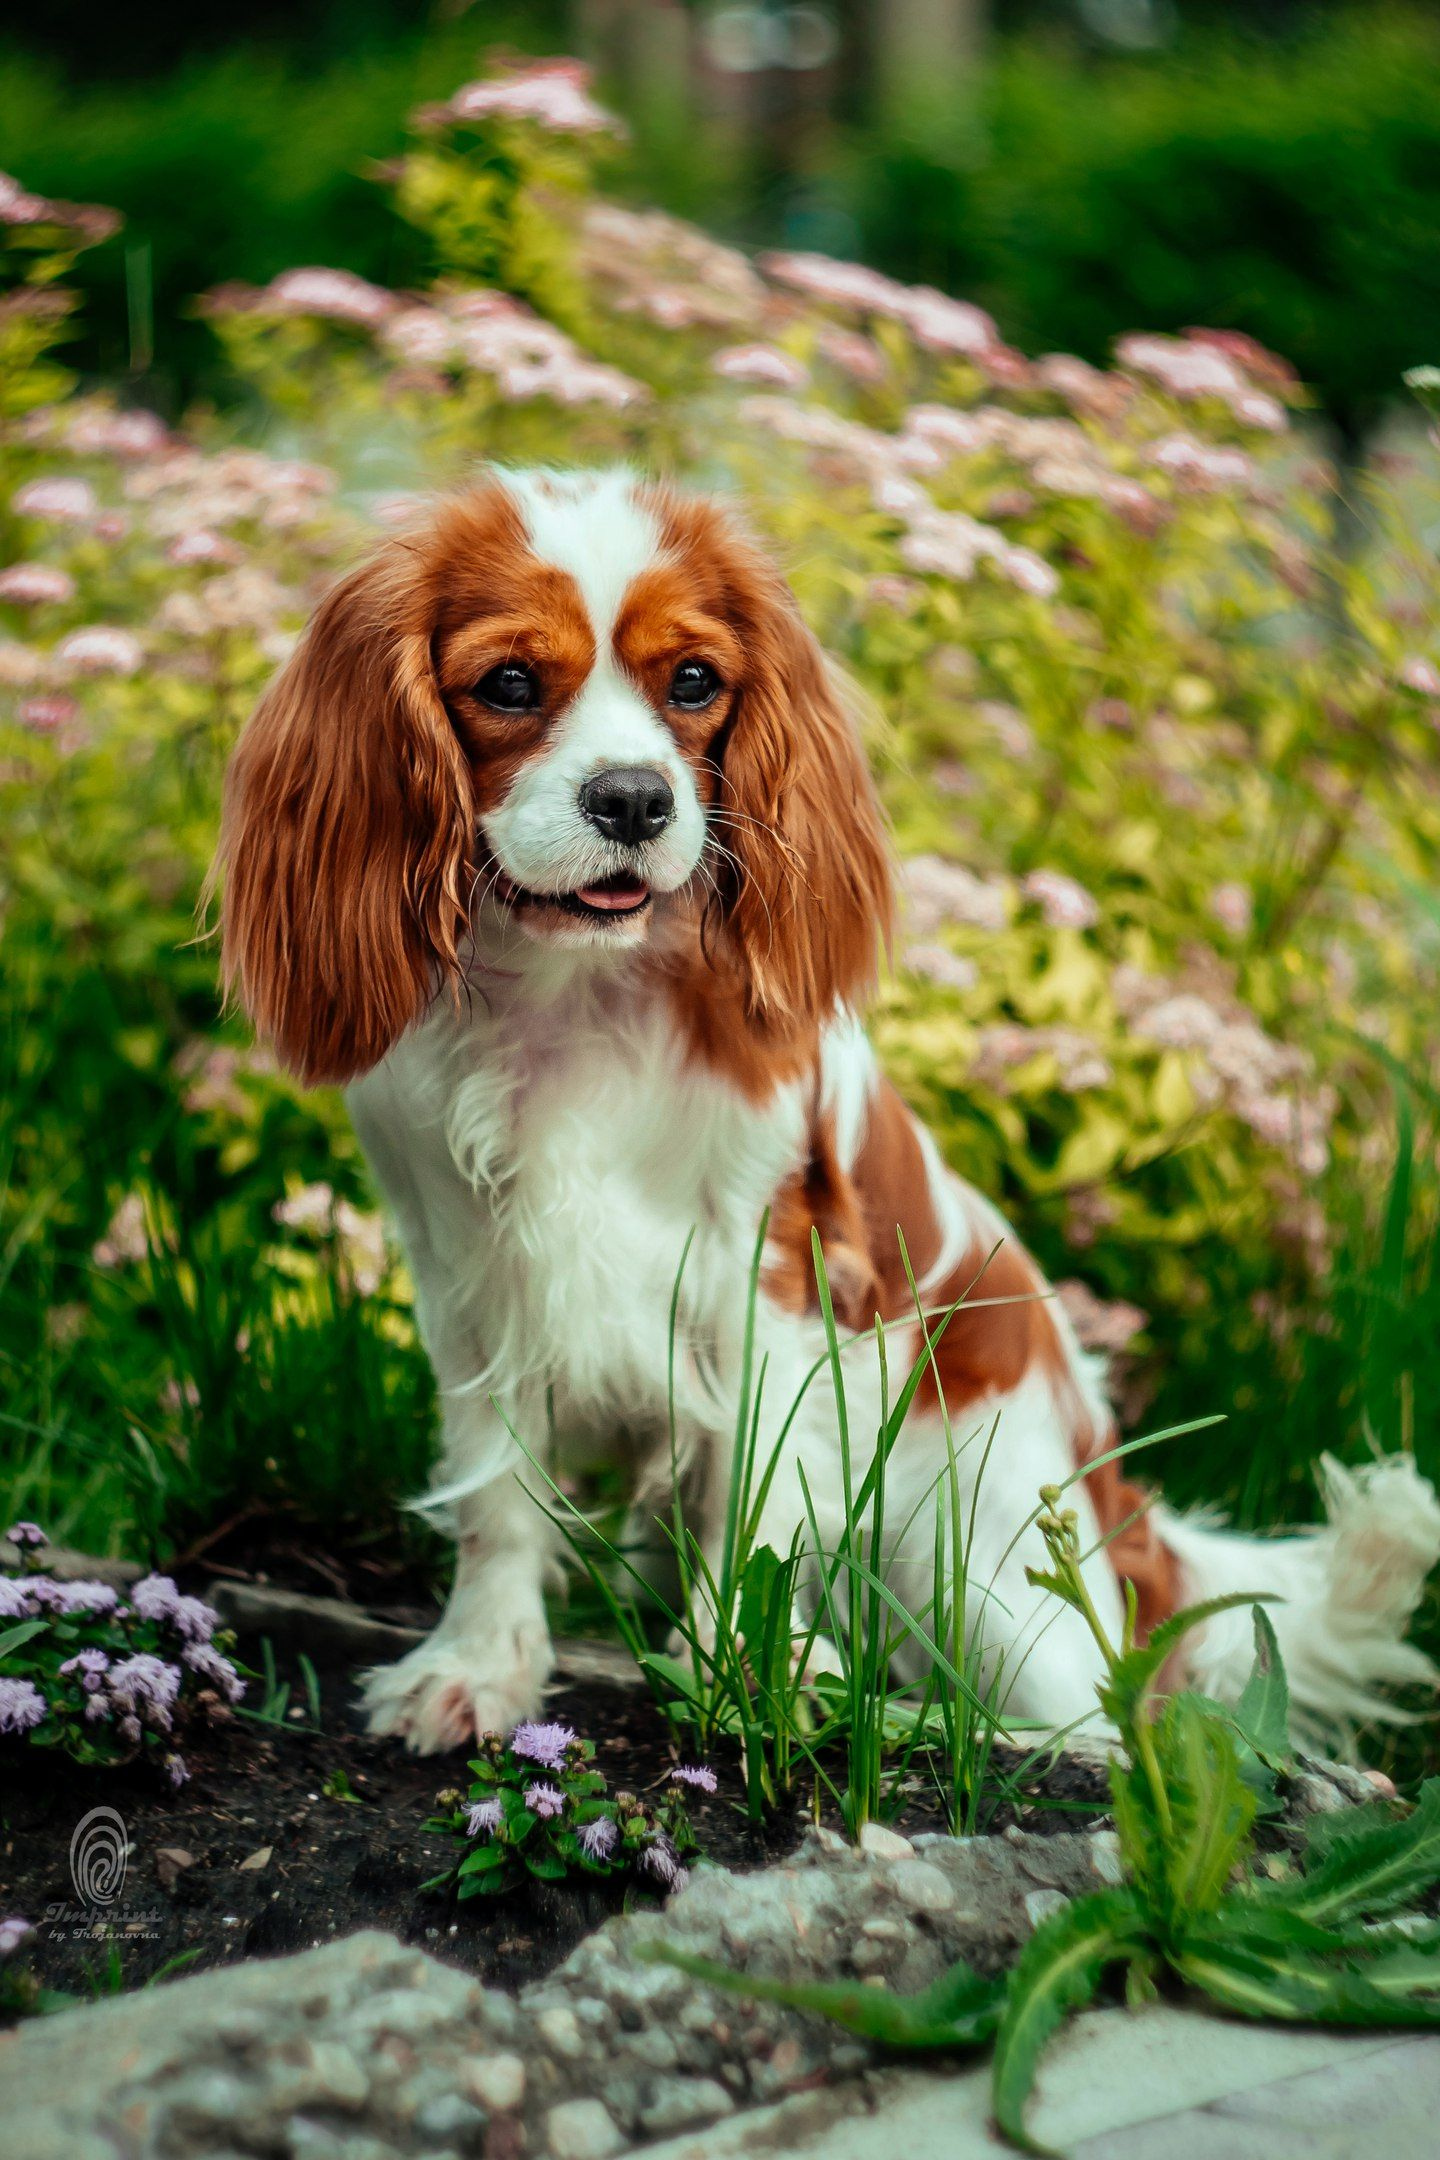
538	1809
1328	1943
1288	189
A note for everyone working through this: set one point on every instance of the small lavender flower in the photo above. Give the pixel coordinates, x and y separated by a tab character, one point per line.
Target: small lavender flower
155	1597
129	1731
25	1533
544	1800
659	1858
482	1818
83	1597
14	1596
97	1707
13	1932
91	1665
543	1744
205	1661
597	1839
22	1706
697	1775
176	1771
148	1686
193	1620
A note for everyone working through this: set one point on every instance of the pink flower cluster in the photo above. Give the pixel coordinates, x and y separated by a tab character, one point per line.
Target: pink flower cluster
551	94
935	321
1208	365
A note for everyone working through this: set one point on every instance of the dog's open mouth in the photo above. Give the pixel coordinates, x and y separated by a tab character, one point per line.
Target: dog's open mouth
621	894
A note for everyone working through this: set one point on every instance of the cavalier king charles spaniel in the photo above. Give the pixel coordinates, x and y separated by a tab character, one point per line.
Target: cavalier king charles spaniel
555	844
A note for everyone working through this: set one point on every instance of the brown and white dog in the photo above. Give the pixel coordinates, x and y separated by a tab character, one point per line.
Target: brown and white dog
555	843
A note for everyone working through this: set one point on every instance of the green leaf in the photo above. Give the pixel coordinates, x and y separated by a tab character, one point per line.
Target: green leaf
482	1860
1211	1808
1058	1971
1369	1862
1297	1985
1133	1675
24	1631
548	1866
1262	1714
960	2010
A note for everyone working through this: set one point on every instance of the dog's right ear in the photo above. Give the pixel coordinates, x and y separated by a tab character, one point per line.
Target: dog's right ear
347	830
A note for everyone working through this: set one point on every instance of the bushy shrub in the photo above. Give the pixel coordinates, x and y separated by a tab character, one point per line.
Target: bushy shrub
101	1676
1162	766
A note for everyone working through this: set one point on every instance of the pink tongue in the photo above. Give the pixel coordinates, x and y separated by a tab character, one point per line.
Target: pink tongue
614	896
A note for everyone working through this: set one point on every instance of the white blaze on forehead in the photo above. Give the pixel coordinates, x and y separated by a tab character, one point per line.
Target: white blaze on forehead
590	525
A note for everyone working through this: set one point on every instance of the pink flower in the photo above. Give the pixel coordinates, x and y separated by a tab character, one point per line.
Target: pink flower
62	501
48	715
938	892
100	649
761	364
853	353
482	1818
311	1208
96	430
22	1706
1420	674
1233	908
20	665
34	584
937	964
553	94
1030	572
698	1776
1064	904
544	1800
200	545
126	1240
338	295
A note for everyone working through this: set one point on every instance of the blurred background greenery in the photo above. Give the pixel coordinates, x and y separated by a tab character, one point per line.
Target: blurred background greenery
1077	166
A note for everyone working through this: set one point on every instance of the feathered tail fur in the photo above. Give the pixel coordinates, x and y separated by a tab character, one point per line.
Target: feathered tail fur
1345	1592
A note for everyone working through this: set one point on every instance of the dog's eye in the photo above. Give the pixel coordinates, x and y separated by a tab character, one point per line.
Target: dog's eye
695	684
510	688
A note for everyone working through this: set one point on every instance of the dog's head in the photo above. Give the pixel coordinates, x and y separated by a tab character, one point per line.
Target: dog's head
567	709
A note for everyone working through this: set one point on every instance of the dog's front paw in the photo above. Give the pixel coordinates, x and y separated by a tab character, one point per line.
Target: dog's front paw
442	1693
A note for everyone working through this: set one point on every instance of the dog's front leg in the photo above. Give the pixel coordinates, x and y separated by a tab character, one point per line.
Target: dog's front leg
486	1663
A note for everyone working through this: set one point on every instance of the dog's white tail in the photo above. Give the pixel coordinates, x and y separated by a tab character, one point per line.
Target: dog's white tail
1344	1591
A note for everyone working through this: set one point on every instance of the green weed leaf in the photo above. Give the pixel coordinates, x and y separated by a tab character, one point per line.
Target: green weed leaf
1058	1971
1368	1862
960	2010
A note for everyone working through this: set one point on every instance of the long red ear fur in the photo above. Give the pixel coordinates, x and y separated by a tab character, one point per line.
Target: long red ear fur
809	897
346	835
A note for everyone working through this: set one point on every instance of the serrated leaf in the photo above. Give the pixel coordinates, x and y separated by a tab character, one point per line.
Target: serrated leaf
960	2010
1211	1808
1369	1862
1058	1971
1262	1714
1297	1985
1133	1675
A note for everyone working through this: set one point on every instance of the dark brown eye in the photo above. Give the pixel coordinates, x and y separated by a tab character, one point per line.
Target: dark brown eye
695	685
510	688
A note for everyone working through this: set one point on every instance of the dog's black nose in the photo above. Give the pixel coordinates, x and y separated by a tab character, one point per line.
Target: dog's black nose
629	803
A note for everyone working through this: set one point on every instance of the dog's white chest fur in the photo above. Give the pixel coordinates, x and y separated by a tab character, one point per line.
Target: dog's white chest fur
552	1166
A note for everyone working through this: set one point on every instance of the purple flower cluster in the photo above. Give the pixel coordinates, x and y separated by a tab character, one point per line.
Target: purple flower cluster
542	1744
13	1932
698	1776
126	1682
659	1860
598	1839
482	1818
22	1706
544	1800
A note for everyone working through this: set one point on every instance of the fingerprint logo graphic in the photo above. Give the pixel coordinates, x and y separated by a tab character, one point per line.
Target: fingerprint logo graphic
98	1853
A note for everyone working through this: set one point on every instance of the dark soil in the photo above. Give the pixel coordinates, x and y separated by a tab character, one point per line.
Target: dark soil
260	1853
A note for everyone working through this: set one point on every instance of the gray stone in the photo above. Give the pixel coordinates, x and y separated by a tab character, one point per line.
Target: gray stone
878	1843
497	2081
582	2130
680	2103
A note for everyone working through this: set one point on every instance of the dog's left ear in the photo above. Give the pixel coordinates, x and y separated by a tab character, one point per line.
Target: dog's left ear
347	828
807	898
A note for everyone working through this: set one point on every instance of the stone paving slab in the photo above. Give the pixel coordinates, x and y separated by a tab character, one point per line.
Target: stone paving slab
1157	2084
